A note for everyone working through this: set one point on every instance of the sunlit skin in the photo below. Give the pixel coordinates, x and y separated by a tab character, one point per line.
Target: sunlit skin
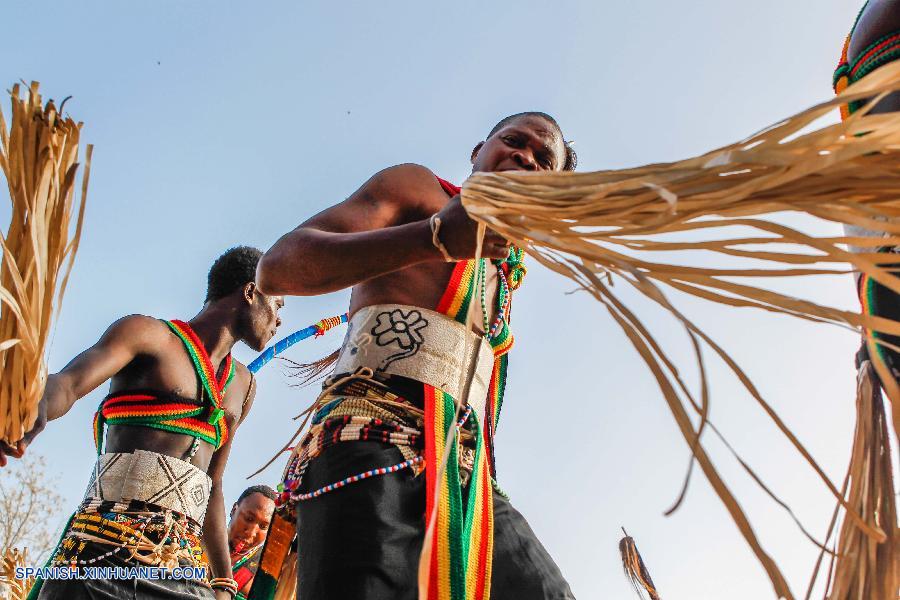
249	525
378	241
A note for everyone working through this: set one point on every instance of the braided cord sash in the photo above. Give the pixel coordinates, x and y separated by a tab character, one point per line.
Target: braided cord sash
150	410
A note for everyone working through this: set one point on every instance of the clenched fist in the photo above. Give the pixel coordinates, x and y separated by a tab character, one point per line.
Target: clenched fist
458	233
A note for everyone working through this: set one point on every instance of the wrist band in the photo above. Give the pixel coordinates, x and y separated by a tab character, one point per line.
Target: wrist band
224	583
435	224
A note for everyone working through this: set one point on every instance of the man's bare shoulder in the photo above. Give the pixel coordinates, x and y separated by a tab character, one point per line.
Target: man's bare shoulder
241	392
138	330
405	183
242	377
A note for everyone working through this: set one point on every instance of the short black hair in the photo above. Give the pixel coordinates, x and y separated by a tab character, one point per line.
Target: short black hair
257	489
571	157
232	271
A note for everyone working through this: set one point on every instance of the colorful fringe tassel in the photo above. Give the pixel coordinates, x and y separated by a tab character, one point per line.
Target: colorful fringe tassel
461	540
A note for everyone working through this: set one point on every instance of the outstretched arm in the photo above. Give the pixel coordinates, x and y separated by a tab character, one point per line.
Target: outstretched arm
116	348
370	234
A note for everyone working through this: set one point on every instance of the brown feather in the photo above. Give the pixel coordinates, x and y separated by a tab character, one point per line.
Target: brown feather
635	569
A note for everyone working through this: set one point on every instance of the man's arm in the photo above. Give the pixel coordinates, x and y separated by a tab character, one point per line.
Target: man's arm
368	235
215	535
116	348
215	538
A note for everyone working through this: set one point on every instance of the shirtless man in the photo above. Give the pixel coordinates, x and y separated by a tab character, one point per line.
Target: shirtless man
175	401
405	244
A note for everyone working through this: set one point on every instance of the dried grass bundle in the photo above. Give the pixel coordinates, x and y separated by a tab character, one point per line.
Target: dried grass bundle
18	588
39	158
592	227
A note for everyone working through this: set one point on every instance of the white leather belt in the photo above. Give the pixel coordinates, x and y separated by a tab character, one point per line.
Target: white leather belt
145	476
422	345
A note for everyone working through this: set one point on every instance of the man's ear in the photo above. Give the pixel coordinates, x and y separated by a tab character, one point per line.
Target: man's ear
249	290
475	150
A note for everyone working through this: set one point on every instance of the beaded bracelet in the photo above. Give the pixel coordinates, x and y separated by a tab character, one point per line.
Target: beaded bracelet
435	224
224	583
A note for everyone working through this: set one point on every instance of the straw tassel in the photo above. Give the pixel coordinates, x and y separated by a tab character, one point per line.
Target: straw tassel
593	227
866	568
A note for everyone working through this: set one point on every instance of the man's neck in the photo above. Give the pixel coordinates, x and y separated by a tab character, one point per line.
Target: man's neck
216	326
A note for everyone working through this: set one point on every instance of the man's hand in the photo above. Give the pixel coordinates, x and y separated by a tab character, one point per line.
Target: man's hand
6	450
18	449
459	233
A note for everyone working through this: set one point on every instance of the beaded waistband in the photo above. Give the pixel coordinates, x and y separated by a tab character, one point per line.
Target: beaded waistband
366	411
163	539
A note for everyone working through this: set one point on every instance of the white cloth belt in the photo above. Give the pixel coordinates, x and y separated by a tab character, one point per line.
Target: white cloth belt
145	476
422	345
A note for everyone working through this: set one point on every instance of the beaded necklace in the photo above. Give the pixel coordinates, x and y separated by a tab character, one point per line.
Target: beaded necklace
503	301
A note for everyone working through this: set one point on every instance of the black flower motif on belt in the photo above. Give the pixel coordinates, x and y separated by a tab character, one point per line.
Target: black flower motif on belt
402	328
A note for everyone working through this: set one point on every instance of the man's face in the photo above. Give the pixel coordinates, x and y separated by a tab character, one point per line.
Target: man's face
526	144
250	522
263	319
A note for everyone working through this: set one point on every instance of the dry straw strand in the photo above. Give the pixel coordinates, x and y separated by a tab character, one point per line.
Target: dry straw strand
10	560
39	158
595	228
865	568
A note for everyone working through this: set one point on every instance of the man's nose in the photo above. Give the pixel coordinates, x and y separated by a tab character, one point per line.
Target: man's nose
525	161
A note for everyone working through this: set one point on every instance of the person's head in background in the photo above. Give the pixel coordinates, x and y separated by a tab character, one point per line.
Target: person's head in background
250	518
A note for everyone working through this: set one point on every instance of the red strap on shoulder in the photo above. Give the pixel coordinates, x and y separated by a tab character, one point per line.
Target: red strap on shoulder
448	187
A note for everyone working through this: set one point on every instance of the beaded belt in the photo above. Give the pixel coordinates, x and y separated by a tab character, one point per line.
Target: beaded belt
143	476
365	414
422	345
165	539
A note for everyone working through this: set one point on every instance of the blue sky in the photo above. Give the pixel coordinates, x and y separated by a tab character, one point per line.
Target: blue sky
224	123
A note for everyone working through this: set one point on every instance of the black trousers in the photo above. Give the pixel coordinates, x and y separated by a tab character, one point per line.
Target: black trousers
121	589
363	540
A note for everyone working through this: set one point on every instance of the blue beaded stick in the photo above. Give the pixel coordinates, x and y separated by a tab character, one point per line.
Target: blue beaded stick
283	344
